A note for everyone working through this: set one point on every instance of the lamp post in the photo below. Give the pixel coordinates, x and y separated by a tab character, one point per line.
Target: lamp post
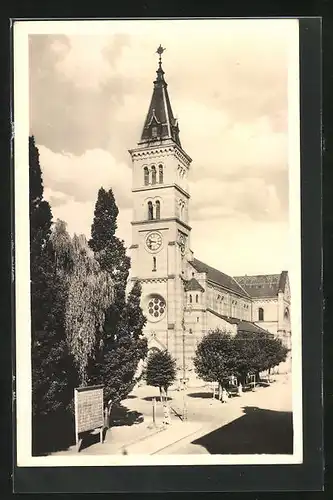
188	308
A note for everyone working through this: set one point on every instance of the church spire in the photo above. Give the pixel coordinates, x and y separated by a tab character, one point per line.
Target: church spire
160	123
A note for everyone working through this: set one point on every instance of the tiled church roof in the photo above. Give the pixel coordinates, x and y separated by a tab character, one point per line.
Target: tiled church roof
218	277
264	285
193	286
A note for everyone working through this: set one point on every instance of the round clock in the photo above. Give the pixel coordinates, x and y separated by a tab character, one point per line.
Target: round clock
154	241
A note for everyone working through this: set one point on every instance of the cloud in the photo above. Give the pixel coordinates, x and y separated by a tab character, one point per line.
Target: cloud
227	82
212	198
80	177
90	61
67	114
242	246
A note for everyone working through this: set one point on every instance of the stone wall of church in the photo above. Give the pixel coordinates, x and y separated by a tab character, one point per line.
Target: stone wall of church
270	313
228	304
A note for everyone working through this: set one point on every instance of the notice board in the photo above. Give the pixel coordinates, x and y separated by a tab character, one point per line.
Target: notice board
89	414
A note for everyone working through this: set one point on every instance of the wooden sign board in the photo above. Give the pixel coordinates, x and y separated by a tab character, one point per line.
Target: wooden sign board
89	410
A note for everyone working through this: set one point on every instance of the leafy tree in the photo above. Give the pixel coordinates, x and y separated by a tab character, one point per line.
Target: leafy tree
108	248
161	370
256	352
248	357
40	230
122	341
53	376
214	359
273	352
90	293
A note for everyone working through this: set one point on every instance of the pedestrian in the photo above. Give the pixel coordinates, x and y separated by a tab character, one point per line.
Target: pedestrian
225	395
166	415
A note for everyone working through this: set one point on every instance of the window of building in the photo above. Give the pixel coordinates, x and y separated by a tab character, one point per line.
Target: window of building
197	298
150	211
160	174
153	174
198	319
154	131
260	314
146	176
156	306
181	209
190	298
158	209
154	263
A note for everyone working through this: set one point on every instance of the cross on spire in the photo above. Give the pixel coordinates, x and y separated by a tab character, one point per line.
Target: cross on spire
160	51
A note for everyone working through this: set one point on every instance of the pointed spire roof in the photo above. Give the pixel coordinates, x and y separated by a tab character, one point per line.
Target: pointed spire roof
160	122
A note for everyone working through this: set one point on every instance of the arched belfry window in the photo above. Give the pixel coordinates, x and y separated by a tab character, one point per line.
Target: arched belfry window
154	263
197	298
160	174
146	176
150	211
158	209
153	174
260	314
190	298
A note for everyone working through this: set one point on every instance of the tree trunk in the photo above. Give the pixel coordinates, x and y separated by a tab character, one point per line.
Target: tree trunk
269	375
240	388
220	391
257	377
107	414
161	396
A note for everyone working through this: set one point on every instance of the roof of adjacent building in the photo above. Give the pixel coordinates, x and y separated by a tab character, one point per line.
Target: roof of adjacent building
242	325
263	285
160	116
193	285
219	278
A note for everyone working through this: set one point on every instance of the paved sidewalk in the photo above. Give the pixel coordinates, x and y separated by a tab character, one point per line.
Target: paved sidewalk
204	415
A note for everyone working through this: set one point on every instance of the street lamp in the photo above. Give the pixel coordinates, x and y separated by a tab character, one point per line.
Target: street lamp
189	309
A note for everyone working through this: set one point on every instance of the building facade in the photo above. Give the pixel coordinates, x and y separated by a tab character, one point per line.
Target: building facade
182	297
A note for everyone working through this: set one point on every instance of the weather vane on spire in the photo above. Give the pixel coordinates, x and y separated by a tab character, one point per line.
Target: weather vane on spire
160	51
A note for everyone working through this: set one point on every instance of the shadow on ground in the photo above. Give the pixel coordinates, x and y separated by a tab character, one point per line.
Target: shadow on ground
121	415
150	398
203	395
258	431
51	433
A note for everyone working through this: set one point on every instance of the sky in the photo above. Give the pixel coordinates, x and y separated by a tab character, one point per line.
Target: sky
89	94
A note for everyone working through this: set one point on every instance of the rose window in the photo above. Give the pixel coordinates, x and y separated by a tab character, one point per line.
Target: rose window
156	306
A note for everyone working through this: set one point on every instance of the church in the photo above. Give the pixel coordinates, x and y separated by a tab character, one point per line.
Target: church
182	297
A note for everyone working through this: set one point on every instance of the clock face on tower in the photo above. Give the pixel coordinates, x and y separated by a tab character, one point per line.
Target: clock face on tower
154	241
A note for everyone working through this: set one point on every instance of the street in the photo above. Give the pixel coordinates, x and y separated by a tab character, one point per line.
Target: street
259	422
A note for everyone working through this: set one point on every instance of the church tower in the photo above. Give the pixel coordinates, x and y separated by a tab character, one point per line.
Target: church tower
160	226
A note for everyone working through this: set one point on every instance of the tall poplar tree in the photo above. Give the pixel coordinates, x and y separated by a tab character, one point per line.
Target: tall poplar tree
52	365
123	342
